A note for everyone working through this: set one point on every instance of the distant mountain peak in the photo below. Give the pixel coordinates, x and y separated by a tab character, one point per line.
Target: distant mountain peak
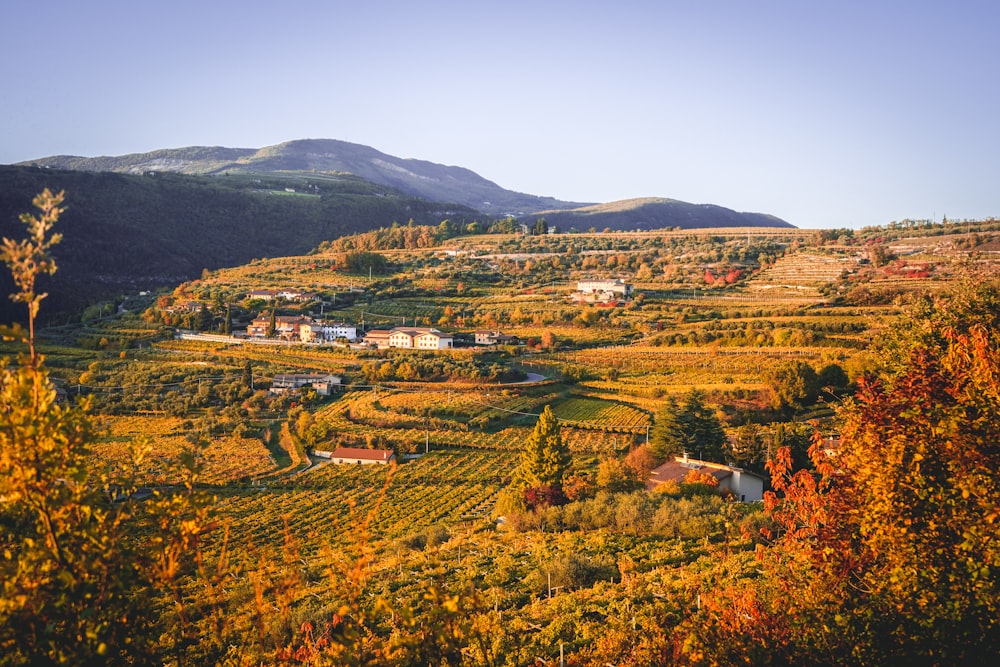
428	180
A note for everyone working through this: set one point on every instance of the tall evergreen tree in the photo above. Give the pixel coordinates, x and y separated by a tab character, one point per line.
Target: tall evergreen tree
704	429
690	427
545	459
667	437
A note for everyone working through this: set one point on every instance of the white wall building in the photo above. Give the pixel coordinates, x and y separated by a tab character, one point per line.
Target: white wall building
323	383
745	486
596	287
412	338
359	456
327	332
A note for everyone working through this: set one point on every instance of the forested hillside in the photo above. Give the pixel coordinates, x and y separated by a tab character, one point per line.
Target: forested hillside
129	232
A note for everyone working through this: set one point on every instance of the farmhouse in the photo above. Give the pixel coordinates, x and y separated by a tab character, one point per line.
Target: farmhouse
323	383
432	339
258	328
745	485
262	294
495	338
360	456
604	290
327	332
410	338
297	295
185	307
288	294
378	337
285	326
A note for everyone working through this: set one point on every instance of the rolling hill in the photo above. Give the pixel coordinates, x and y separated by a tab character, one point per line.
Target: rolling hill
419	178
125	232
656	213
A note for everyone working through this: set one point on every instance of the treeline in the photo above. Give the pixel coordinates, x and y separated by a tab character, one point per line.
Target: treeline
436	367
411	236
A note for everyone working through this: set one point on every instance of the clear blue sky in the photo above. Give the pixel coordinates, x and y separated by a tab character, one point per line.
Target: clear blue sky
830	113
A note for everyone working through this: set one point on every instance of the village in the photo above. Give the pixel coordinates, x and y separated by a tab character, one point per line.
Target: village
269	326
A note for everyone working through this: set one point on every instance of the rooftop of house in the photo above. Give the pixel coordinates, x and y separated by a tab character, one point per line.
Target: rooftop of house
361	453
420	331
677	469
290	377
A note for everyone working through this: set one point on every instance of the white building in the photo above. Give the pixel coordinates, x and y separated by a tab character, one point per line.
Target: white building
327	332
359	456
296	295
743	484
410	338
433	340
484	337
323	383
402	338
378	337
618	288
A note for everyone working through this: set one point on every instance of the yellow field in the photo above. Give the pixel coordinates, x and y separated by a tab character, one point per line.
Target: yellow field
225	459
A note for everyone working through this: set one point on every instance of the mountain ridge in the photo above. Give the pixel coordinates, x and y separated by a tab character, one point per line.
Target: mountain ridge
421	178
429	180
648	213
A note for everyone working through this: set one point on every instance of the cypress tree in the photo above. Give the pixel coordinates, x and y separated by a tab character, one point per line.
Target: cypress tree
667	437
545	459
689	427
704	429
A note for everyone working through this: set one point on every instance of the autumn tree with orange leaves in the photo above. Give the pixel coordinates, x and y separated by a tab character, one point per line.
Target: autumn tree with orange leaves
887	550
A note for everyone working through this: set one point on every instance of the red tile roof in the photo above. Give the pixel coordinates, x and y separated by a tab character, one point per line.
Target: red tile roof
361	453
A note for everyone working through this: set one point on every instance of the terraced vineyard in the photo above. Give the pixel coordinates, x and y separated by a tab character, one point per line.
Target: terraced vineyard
319	507
802	274
643	366
597	413
386	428
227	459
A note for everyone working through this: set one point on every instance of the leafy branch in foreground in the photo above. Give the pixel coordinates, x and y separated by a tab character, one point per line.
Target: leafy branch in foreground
75	587
29	258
